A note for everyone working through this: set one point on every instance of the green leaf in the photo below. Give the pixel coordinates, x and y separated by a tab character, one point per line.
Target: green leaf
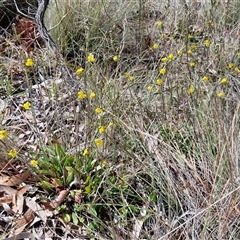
78	208
69	161
60	152
88	189
70	177
153	197
112	179
56	164
134	208
46	185
88	180
91	227
75	218
81	219
93	211
66	217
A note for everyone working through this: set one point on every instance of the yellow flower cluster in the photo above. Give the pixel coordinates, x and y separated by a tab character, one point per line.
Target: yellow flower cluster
131	78
98	142
102	129
220	94
3	134
207	43
162	71
190	90
29	62
115	58
160	24
27	105
159	81
99	110
85	152
155	46
80	71
91	58
149	88
224	81
192	64
205	78
83	95
12	153
34	162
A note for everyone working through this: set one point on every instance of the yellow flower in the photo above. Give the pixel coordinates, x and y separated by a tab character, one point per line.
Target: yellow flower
236	70
220	94
149	87
130	78
34	162
193	47
205	79
179	53
230	65
164	59
3	134
159	81
189	36
209	23
238	54
98	142
92	95
224	81
91	58
126	74
111	124
99	110
29	62
207	43
192	64
80	71
115	58
85	152
155	46
12	153
164	35
104	163
189	52
162	71
102	129
170	57
27	105
160	23
190	90
81	95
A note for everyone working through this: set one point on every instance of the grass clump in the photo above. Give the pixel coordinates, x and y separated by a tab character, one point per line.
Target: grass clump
144	143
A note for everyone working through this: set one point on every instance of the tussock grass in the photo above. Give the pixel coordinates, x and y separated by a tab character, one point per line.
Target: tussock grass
168	163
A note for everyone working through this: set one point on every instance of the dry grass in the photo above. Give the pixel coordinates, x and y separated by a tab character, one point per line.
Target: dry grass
168	164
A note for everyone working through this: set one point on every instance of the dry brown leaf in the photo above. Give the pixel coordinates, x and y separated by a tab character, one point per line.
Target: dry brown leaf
7	190
20	236
59	199
18	200
20	224
42	213
7	194
14	180
23	189
6	199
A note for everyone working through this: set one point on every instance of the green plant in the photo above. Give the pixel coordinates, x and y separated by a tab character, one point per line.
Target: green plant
144	137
